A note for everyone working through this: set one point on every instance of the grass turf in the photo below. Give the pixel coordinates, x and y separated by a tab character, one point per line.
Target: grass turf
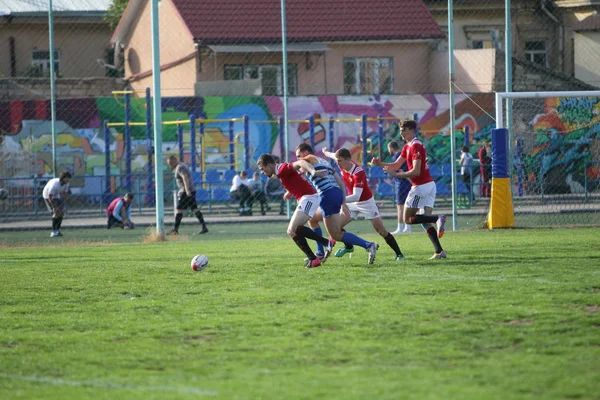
97	314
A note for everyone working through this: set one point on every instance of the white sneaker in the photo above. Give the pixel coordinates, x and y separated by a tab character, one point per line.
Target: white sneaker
372	249
396	232
407	229
54	234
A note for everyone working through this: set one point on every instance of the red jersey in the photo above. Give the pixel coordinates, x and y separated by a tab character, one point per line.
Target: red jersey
292	181
415	151
357	178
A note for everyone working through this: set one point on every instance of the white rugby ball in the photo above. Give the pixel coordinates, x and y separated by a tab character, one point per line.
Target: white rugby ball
199	262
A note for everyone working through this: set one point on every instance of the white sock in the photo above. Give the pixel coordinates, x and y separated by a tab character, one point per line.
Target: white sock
400	227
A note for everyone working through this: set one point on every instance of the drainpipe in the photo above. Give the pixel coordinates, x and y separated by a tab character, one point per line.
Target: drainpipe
561	34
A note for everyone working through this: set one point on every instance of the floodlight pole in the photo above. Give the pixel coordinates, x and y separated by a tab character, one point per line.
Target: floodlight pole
452	115
156	106
52	88
508	78
286	132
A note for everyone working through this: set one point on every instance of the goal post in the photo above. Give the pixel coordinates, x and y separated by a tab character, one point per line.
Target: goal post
545	159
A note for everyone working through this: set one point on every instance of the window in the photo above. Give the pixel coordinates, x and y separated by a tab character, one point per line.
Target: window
368	76
40	59
271	77
536	52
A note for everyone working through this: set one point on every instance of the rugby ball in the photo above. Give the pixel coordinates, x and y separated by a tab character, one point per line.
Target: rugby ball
199	262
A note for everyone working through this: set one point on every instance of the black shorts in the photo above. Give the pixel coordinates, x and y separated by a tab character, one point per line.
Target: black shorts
184	201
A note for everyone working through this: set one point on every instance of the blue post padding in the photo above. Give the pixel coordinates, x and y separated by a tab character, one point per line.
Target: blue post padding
500	153
246	142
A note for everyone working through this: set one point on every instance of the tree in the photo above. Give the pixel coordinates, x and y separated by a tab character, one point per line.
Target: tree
114	13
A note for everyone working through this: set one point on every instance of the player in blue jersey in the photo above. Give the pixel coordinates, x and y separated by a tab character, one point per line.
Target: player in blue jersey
332	191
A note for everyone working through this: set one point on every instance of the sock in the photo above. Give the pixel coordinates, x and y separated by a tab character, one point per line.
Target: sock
54	224
178	218
351	238
308	233
423	219
303	245
59	223
400	227
433	236
200	217
389	239
319	232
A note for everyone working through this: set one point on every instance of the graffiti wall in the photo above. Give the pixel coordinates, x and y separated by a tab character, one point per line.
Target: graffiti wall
558	133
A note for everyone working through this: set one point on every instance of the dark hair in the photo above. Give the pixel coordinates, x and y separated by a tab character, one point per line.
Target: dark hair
410	124
128	195
394	145
265	159
305	147
465	149
343	153
65	174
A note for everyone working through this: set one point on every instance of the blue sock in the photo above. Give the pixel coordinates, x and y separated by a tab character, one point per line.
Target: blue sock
355	240
319	232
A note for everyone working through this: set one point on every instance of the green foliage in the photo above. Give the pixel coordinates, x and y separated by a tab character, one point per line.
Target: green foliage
511	314
114	13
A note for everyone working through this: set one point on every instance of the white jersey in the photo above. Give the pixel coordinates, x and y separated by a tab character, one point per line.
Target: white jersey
54	188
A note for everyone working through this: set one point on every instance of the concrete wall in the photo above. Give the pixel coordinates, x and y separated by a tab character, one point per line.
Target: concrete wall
39	88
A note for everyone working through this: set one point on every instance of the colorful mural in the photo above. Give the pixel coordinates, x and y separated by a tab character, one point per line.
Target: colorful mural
564	129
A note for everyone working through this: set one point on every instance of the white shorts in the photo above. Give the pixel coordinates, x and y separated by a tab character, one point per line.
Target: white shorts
421	196
367	209
309	204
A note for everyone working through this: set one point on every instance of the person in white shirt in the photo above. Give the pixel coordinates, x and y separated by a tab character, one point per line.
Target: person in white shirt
55	194
466	165
257	188
240	191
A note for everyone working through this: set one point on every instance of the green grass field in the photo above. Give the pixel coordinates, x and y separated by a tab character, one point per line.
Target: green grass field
99	314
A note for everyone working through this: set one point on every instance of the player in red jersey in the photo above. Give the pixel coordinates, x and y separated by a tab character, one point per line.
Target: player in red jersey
359	202
422	192
308	202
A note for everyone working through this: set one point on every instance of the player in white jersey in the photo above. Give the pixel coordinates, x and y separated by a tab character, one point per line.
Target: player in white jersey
55	194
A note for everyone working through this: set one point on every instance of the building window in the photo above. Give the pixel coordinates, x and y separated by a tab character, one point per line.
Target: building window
536	52
368	76
271	77
40	60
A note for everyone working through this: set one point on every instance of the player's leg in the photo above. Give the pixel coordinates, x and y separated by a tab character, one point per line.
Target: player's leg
377	223
59	215
194	207
299	219
313	223
334	228
181	206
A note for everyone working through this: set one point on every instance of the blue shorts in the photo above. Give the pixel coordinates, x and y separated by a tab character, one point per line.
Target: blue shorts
401	190
331	202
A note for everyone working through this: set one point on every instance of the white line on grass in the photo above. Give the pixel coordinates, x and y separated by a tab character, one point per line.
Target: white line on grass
108	385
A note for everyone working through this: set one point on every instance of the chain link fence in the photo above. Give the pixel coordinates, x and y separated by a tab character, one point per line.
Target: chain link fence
355	68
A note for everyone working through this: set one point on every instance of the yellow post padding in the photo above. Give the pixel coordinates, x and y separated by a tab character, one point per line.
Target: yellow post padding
501	213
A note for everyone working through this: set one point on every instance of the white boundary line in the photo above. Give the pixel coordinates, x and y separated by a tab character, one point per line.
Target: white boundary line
108	385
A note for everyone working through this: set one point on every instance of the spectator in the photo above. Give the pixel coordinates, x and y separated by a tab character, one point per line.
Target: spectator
119	212
257	189
485	169
240	191
55	196
466	164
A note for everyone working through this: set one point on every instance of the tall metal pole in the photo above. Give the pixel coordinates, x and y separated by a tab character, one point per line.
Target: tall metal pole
286	131
160	204
508	77
452	116
52	88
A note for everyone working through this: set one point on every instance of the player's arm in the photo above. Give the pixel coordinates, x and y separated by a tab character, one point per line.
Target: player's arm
328	154
355	196
187	184
415	171
395	165
117	213
305	166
